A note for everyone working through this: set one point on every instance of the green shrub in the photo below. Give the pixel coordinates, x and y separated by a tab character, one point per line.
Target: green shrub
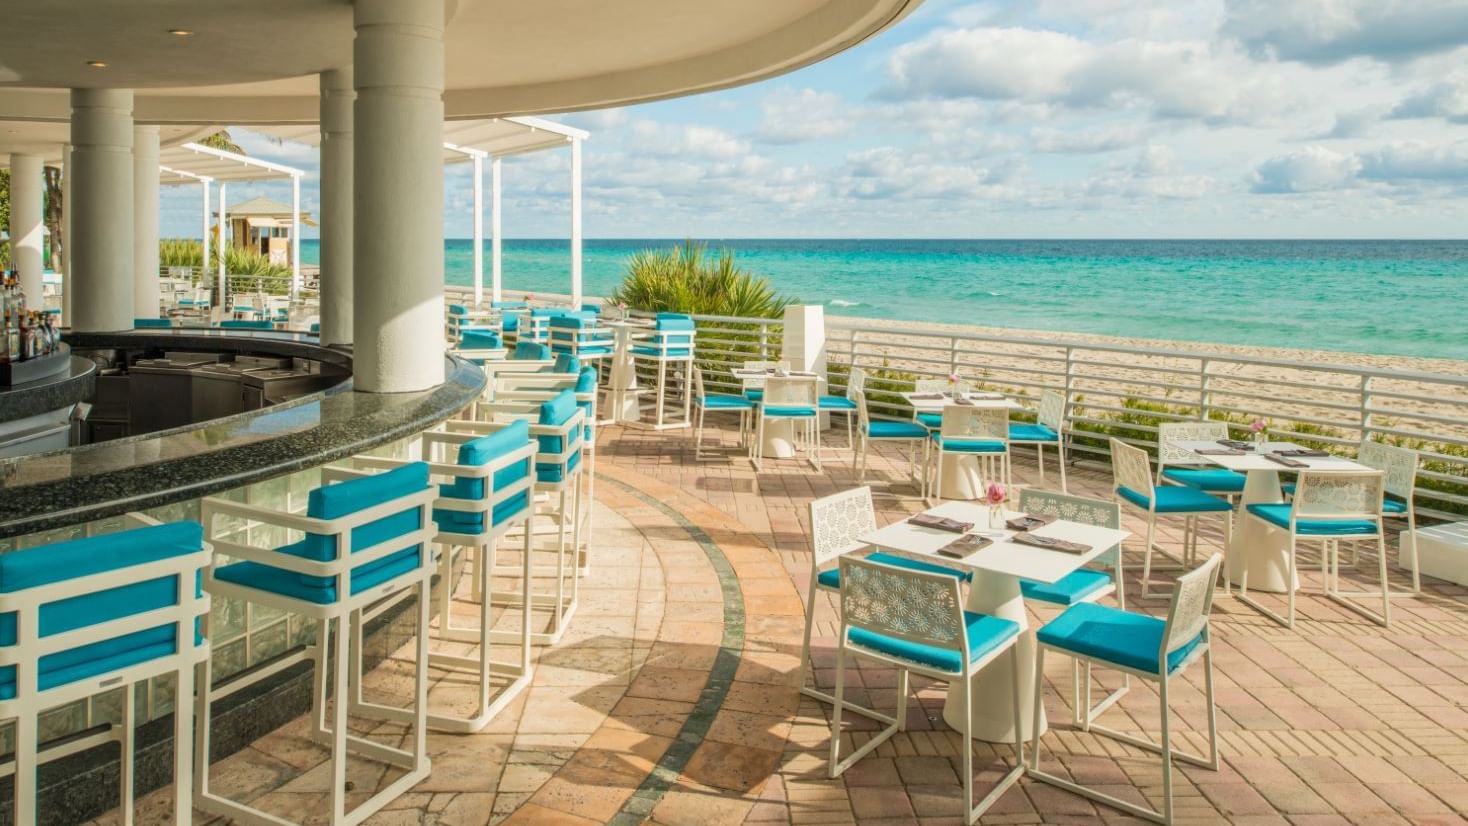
685	279
186	252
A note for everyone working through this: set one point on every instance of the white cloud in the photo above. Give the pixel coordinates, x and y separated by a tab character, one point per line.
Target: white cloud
799	115
1417	162
1331	31
1447	99
681	140
1084	141
1311	169
1154	174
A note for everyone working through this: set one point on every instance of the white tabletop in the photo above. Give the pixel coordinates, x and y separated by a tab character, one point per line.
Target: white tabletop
978	399
1253	460
1003	557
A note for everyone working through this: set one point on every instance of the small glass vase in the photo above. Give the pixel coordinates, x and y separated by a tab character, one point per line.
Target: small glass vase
1260	440
996	517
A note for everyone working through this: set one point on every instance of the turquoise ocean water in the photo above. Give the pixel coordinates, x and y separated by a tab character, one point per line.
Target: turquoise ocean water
1385	297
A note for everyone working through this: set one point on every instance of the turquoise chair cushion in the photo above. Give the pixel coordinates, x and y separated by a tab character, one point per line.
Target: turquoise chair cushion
1022	432
722	401
790	412
315	328
482	451
837	403
471	523
1070	589
51	564
968	445
887	429
458	309
1279	516
1211	479
671	352
151	323
479	338
530	351
594	309
556	411
1175	499
832	578
755	395
552	472
185	302
1390	505
510	323
933	420
242	324
985	634
1112	635
586	380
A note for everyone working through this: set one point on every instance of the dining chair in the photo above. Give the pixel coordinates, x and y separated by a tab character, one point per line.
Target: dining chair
1135	485
933	421
845	404
1086	584
1400	466
89	616
1147	648
972	431
1047	429
754	389
1328	507
705	402
914	621
789	399
871	430
1180	466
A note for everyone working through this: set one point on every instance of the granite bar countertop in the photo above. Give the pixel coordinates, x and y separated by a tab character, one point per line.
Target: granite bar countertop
32	398
81	484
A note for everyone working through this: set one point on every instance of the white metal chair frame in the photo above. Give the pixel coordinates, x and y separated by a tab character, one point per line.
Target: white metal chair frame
29	648
931	613
1331	496
1400	466
480	551
1132	469
1051	413
1187	619
562	501
795	392
916	470
336	618
1171	454
939	386
1101	514
597	338
663	341
971	423
855	380
699	403
454	324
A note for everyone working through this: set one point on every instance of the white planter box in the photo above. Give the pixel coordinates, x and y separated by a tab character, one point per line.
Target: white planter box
1442	551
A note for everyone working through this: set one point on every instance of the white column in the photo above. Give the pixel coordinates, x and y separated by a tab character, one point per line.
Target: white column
68	238
496	269
102	153
221	281
295	237
27	238
575	223
398	195
337	96
145	222
478	229
204	236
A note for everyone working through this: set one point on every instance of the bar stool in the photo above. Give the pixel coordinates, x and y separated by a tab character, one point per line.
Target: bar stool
582	336
670	343
558	426
88	616
366	540
490	494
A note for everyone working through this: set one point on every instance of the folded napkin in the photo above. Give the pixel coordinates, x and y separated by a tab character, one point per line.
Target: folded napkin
941	523
1285	460
1236	444
925	396
1304	452
961	400
965	545
1028	522
1050	544
1219	451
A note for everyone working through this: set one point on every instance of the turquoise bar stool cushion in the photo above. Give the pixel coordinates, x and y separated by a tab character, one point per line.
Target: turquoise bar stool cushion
551	472
1068	590
968	445
837	403
479	338
1174	499
482	451
510	323
721	401
832	578
245	324
1023	432
51	564
887	429
1112	635
586	380
985	634
458	309
1210	479
1279	516
791	412
152	323
565	363
594	309
316	328
755	395
673	329
530	351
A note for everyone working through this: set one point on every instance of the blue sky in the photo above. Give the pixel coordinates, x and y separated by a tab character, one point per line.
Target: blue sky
1046	118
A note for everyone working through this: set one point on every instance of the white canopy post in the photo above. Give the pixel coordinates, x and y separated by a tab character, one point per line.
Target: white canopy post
478	229
204	236
575	223
495	253
295	237
223	226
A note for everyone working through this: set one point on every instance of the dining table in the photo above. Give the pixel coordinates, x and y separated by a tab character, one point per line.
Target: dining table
779	441
1256	546
997	569
962	478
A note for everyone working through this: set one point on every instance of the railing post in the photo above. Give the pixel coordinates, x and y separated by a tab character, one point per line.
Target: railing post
764	340
1365	407
1205	393
952	355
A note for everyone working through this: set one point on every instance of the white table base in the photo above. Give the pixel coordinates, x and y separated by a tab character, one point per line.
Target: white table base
1262	550
993	704
779	442
623	382
961	476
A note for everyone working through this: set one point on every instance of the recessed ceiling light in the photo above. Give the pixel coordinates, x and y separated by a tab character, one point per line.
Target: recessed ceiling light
97	64
181	32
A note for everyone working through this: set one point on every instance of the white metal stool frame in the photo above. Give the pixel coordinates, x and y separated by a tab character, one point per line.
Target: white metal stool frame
566	596
1331	496
971	423
1052	415
1187	619
662	342
480	550
24	656
931	614
1132	469
334	618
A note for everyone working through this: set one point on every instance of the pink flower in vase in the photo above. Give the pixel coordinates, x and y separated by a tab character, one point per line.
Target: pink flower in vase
1257	426
995	495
